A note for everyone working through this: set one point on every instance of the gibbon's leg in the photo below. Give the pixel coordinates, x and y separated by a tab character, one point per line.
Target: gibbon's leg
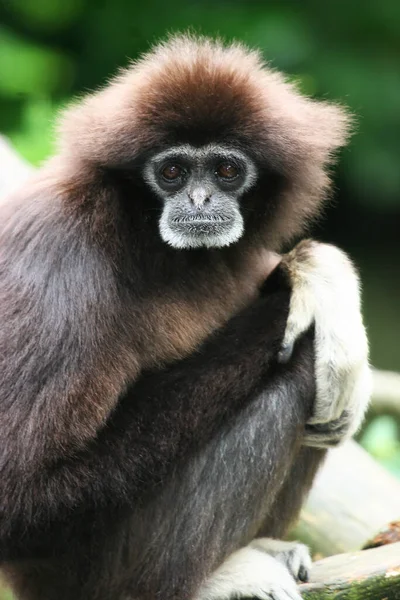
287	505
293	555
210	505
216	501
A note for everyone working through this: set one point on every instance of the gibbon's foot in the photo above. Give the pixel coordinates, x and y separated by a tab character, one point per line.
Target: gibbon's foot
250	573
325	292
295	556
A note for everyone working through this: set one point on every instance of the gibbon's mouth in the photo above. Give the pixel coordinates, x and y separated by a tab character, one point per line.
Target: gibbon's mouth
201	229
201	218
199	224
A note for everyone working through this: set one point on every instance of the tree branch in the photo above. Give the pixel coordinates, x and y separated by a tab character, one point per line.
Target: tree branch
365	575
352	499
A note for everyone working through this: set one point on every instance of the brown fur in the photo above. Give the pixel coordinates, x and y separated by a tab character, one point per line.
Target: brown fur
104	392
225	93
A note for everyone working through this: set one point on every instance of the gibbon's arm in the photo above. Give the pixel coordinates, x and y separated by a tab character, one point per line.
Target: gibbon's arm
62	448
326	292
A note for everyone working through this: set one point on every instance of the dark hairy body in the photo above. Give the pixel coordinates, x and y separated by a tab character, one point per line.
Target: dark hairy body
172	413
147	428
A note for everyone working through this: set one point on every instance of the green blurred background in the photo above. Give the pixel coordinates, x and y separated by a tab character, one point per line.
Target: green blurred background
348	50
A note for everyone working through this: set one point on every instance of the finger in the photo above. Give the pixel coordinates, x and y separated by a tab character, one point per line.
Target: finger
285	353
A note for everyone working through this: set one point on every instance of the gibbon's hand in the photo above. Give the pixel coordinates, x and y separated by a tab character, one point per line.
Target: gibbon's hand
325	292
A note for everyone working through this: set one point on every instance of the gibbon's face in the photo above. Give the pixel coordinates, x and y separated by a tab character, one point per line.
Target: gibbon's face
200	189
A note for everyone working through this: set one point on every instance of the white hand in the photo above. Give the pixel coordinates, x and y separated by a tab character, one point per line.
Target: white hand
325	291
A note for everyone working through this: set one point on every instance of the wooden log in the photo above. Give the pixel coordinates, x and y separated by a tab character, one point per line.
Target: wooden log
352	499
365	575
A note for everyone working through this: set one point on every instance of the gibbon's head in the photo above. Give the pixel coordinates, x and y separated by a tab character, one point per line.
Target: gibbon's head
221	144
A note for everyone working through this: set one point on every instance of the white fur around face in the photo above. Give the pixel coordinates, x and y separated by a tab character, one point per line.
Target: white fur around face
186	240
326	291
220	236
250	573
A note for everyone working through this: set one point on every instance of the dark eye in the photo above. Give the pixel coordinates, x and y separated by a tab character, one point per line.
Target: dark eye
227	171
172	172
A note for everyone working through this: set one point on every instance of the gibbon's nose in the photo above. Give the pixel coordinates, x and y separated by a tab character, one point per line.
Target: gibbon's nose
199	196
